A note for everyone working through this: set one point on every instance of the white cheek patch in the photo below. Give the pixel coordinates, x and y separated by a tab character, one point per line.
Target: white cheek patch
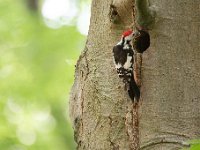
128	62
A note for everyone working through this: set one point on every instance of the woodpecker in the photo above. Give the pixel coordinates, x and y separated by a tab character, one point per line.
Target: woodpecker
123	54
141	40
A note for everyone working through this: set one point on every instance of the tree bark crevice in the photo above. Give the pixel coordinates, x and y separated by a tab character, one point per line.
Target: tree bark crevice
179	141
132	126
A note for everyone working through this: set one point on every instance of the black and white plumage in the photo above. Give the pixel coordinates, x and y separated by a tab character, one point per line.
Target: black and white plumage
124	59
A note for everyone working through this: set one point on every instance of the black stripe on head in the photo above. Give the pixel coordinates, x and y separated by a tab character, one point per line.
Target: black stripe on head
123	40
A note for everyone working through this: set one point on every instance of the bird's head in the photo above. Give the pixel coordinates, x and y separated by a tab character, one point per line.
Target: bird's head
128	35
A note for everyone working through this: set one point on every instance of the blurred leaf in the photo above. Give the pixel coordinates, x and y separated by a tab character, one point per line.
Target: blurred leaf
195	144
36	73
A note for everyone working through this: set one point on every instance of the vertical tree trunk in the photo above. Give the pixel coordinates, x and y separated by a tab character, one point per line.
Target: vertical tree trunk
102	113
170	110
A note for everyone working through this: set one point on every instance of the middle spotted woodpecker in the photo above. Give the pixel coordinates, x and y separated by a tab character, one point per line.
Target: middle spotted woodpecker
124	58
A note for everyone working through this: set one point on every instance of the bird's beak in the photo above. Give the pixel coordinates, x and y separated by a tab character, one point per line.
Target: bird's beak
136	34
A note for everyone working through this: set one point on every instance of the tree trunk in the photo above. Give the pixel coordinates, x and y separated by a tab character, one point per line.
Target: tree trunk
103	115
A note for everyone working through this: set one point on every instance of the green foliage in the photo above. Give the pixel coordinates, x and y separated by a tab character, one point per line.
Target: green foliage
195	145
36	74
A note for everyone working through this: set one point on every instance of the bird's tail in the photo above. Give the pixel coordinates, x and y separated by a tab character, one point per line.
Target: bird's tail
134	91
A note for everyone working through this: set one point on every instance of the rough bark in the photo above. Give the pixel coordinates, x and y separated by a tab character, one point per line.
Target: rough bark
103	115
170	112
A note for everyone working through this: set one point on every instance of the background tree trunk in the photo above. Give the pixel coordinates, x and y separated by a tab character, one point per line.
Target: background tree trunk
169	115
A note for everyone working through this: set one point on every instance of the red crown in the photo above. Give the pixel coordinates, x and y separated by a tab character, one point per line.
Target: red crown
127	33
